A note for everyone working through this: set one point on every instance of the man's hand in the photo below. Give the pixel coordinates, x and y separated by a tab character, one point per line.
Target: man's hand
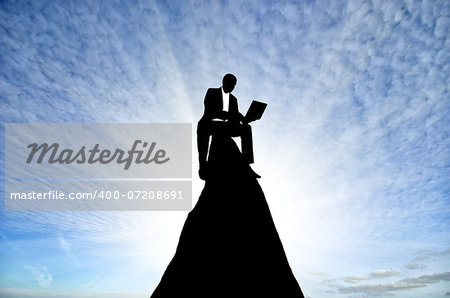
243	119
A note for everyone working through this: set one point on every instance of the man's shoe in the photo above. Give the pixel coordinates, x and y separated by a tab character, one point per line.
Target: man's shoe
253	173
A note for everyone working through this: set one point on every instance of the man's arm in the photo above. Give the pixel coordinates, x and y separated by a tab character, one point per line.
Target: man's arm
208	103
234	114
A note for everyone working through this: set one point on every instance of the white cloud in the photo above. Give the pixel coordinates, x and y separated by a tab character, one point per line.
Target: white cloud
383	273
413	266
404	284
381	288
41	275
429	278
355	279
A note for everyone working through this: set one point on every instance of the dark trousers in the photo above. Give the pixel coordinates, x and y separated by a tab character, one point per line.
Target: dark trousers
205	129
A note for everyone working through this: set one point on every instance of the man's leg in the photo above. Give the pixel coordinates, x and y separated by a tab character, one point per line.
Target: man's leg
245	132
247	143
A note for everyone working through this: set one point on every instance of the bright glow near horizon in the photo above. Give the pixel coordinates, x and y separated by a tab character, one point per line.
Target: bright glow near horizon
353	148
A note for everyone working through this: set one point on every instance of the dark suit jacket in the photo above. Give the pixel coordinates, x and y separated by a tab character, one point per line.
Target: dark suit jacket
214	106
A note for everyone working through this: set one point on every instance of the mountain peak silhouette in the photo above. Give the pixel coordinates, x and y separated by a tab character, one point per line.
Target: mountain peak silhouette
229	246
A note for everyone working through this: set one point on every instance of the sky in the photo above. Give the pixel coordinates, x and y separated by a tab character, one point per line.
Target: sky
353	149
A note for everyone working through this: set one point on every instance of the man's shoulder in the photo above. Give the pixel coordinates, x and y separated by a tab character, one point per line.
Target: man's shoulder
213	92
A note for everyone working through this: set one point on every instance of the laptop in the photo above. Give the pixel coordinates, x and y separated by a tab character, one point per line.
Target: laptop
255	111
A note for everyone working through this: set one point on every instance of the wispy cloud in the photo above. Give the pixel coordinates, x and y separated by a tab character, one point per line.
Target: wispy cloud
355	278
90	283
9	243
68	250
40	274
381	288
429	278
413	266
428	254
319	273
404	284
382	273
398	280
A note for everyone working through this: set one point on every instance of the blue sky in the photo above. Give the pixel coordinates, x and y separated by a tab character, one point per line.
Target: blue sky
353	148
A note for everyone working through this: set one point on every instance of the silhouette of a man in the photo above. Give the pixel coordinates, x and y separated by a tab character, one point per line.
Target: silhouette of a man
221	116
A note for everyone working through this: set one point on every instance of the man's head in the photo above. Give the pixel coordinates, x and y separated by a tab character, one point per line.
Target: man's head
228	82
